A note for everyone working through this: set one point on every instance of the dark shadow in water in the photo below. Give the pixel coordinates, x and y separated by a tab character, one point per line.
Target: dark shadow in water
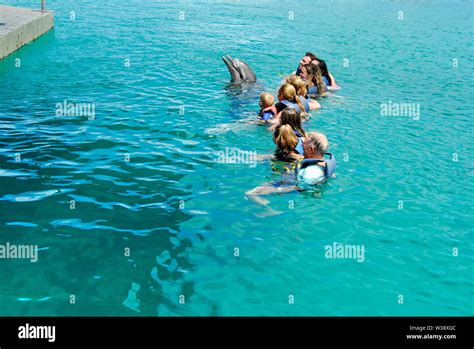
243	99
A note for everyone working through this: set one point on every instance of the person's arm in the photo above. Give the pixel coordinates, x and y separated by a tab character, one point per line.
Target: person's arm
313	105
267	189
272	109
274	123
264	157
333	81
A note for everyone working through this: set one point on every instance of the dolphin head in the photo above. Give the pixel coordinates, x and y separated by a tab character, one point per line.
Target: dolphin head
239	70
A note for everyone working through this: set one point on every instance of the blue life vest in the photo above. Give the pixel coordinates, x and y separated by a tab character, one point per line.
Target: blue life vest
294	105
266	115
313	90
329	169
326	81
299	147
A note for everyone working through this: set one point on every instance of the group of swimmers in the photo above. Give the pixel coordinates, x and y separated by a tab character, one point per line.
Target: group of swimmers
305	152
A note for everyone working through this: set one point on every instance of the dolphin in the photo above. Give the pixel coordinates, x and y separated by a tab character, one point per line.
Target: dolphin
239	70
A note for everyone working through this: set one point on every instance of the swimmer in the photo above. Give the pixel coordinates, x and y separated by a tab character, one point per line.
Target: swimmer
307	59
301	90
289	99
327	76
287	143
313	78
267	107
318	165
315	169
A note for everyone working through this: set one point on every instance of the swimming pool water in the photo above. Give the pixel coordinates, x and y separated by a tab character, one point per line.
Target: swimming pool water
158	222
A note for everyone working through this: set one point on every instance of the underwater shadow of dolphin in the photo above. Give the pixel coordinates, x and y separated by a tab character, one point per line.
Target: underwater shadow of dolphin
240	71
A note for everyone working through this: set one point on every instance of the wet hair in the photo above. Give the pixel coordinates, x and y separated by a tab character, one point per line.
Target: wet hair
286	141
288	92
315	78
319	142
266	100
312	56
324	70
290	116
299	85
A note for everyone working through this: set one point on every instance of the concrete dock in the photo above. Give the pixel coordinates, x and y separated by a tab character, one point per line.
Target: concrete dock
19	26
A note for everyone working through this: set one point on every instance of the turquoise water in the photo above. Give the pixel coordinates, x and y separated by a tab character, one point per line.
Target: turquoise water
403	188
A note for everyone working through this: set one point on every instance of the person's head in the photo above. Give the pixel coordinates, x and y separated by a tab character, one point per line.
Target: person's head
286	141
312	75
266	100
311	56
315	145
290	116
304	72
312	71
324	68
307	59
288	92
299	85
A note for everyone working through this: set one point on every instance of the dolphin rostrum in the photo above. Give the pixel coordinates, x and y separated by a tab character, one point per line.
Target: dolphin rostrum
239	70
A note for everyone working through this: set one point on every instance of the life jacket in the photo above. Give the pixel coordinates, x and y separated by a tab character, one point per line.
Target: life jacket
313	90
266	115
328	170
294	105
297	134
299	147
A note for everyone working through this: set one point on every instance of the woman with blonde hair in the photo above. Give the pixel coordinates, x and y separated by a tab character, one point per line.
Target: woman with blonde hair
293	118
301	90
289	99
299	85
286	142
311	74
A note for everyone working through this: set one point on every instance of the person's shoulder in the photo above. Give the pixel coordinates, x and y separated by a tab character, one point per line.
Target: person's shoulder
306	98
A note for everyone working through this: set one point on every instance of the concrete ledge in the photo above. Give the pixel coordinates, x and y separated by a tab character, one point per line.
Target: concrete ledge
19	26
